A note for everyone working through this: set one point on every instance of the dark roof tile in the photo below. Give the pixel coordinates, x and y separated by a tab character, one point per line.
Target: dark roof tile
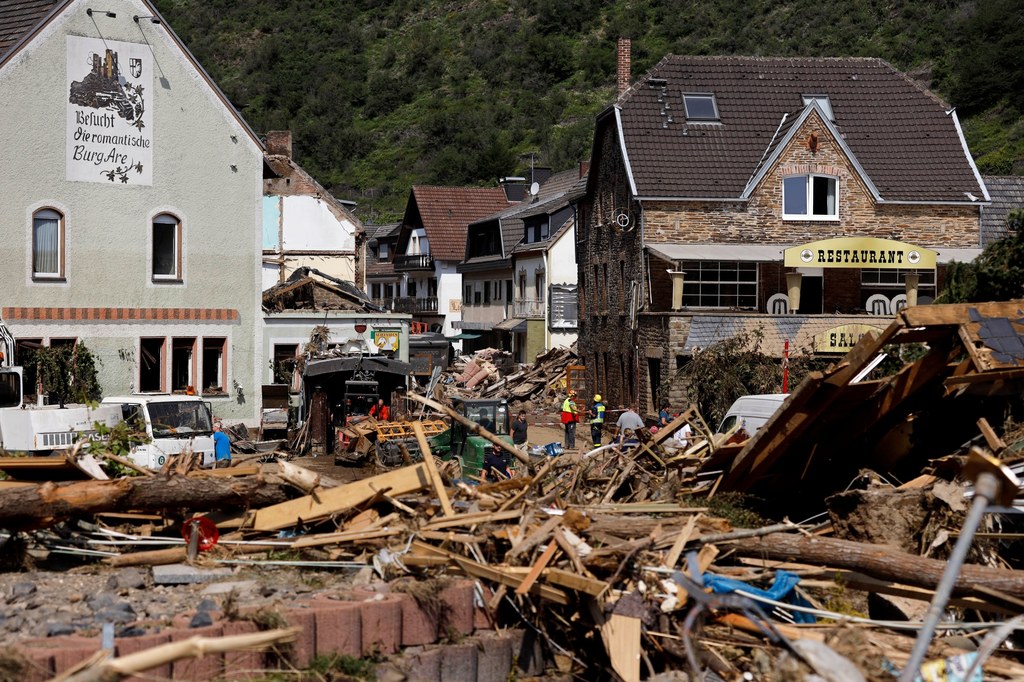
899	133
446	212
1007	193
18	17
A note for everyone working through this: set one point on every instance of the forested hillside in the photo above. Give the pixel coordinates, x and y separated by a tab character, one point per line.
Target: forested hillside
383	95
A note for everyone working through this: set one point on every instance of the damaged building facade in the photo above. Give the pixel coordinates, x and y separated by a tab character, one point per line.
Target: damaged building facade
806	200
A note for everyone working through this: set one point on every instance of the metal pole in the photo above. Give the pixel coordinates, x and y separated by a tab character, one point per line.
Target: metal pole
985	490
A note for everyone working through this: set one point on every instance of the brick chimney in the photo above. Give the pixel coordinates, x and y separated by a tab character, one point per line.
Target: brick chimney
584	167
279	143
623	62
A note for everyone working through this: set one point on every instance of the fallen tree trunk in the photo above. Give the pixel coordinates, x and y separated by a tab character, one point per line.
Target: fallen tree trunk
881	562
44	505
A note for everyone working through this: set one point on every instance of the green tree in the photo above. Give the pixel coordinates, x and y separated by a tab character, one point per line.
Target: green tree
68	374
996	275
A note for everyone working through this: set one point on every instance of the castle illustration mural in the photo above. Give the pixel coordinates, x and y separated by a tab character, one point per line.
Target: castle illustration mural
109	121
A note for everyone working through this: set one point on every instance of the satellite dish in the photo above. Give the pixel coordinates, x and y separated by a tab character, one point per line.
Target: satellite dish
534	188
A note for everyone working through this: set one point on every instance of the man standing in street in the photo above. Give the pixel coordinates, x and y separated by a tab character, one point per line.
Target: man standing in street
570	415
628	423
221	448
519	429
596	420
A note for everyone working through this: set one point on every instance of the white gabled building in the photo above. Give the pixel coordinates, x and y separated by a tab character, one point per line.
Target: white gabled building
132	210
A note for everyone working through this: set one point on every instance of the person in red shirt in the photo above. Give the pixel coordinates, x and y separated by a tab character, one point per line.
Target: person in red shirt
380	411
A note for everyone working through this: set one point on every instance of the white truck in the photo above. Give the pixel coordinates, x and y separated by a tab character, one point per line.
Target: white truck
44	429
174	424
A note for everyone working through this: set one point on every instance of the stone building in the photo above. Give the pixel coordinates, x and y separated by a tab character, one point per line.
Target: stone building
806	198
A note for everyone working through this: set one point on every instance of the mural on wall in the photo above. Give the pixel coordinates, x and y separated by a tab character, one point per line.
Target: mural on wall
109	116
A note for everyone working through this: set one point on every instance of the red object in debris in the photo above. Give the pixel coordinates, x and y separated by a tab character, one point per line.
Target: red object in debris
207	529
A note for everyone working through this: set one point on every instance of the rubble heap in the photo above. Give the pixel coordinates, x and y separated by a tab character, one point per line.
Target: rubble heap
648	556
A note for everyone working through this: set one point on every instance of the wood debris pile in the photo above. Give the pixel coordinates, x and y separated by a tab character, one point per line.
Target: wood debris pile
490	374
647	556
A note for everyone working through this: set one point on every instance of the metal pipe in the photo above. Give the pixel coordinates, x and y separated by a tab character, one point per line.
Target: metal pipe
985	490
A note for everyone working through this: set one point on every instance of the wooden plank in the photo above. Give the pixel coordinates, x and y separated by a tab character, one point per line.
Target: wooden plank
535	570
1015	374
579	583
995	443
476	569
435	478
472	519
535	538
672	558
621	636
309	508
339	538
958	313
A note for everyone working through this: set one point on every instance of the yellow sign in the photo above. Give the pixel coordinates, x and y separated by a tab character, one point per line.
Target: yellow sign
386	339
842	338
860	252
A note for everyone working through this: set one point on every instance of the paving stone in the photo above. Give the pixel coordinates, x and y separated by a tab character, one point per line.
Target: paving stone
206	668
243	665
39	665
458	599
339	628
494	658
304	648
458	663
381	626
418	626
240	586
130	645
183	574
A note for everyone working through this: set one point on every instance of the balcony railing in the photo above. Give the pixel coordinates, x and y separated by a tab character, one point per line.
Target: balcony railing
422	261
528	308
409	304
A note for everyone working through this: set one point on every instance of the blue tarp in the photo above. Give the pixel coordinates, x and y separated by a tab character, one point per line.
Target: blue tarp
781	590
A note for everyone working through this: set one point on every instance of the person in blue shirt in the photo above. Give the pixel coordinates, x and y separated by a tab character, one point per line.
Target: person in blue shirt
221	448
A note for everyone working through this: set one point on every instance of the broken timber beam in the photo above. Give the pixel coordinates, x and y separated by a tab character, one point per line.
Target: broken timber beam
333	500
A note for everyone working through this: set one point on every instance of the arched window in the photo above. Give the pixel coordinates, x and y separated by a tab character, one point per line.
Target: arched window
166	248
47	244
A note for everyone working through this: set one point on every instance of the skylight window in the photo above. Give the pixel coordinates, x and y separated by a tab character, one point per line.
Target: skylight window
823	103
700	107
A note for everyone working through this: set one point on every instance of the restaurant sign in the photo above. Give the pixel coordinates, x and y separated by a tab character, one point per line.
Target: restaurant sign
842	338
860	252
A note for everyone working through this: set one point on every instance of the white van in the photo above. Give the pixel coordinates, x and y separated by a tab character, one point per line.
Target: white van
175	423
752	411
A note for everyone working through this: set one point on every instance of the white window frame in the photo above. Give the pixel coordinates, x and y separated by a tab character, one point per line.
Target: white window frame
166	218
48	213
809	179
